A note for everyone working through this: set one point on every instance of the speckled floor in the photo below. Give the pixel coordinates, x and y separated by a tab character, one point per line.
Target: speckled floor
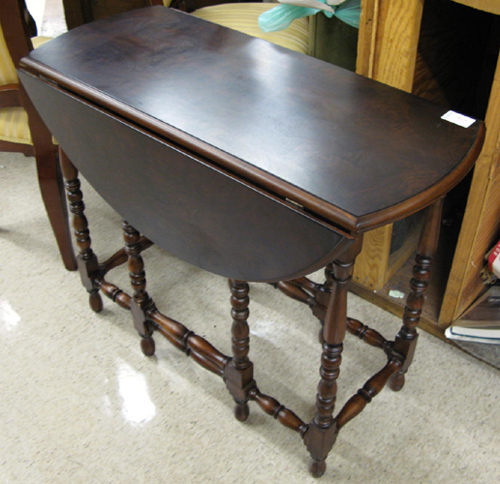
80	403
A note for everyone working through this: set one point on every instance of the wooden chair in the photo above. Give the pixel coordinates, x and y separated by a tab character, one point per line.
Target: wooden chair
21	128
238	16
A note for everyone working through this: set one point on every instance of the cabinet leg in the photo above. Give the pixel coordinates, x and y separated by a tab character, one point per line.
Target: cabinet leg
406	340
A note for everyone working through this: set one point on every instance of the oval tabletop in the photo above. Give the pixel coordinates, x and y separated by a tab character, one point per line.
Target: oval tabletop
347	148
243	158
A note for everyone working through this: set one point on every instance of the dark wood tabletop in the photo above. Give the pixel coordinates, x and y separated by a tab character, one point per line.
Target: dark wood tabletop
350	150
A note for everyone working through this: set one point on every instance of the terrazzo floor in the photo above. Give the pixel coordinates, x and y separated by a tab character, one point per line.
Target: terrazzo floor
80	403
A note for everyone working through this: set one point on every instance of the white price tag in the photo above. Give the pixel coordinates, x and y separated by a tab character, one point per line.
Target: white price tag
459	119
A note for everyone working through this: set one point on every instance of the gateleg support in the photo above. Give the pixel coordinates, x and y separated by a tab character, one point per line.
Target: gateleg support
88	265
141	304
238	373
406	340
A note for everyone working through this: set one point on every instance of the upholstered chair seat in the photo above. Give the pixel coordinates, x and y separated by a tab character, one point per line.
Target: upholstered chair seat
14	126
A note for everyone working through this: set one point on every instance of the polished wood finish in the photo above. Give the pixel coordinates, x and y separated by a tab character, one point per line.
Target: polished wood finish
239	371
406	339
323	430
142	304
88	265
210	218
231	165
382	123
17	29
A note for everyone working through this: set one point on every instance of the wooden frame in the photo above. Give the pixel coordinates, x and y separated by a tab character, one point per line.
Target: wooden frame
387	48
480	229
387	51
17	36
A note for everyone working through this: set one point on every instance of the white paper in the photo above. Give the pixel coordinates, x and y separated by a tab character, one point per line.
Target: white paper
459	119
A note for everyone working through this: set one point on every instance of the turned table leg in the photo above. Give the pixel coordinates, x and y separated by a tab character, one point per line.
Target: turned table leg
141	303
406	339
322	298
322	431
88	265
239	370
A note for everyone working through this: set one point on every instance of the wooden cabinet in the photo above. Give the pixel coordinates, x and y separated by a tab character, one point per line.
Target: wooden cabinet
446	51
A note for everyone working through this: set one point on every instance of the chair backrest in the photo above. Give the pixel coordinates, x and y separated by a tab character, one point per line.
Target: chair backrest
7	69
16	33
78	12
15	44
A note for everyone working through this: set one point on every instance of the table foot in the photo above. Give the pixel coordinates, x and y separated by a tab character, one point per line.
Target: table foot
95	301
317	467
148	345
397	382
241	411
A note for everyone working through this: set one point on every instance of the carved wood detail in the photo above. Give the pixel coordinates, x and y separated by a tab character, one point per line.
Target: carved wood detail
115	294
199	349
141	304
294	290
367	334
88	265
239	371
365	395
406	340
181	337
120	257
220	205
323	430
278	411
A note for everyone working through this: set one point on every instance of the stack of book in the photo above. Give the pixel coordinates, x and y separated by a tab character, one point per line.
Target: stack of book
477	334
481	323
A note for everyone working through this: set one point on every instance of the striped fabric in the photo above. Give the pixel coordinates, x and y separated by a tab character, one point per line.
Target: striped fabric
7	69
14	126
13	121
244	18
38	41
